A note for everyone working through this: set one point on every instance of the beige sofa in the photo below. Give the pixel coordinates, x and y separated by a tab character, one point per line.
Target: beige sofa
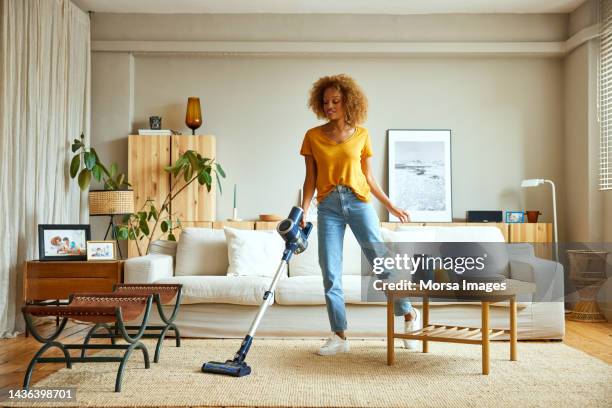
217	305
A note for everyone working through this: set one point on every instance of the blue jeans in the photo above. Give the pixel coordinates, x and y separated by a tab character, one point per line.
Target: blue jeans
339	208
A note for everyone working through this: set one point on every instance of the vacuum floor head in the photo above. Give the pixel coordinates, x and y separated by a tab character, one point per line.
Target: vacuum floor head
230	367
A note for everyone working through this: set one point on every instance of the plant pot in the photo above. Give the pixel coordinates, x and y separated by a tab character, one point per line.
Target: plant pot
532	216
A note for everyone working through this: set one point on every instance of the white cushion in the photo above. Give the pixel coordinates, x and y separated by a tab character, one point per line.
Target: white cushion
308	290
163	247
201	251
236	290
253	253
307	263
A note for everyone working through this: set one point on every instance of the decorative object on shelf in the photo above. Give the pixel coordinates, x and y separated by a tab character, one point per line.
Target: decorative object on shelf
111	203
190	166
532	215
153	132
515	217
587	272
92	166
193	117
235	208
101	250
420	173
270	217
63	242
539	182
155	122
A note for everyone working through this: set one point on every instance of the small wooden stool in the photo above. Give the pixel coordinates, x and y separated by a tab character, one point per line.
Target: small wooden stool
163	294
100	309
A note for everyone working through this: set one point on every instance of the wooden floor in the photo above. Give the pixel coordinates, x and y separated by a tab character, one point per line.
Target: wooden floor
15	354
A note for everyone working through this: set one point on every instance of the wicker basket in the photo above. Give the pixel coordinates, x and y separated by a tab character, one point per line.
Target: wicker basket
107	202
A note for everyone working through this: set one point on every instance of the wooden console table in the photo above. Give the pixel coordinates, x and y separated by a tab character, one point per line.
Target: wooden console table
459	334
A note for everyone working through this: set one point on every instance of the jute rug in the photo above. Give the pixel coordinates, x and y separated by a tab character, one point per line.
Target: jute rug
289	373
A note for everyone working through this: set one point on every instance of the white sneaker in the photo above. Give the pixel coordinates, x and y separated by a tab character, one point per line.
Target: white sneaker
414	324
335	344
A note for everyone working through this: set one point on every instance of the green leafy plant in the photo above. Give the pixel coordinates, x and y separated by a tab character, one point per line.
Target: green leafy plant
190	167
86	164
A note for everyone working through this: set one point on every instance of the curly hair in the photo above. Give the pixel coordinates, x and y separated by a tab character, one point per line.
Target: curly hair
355	101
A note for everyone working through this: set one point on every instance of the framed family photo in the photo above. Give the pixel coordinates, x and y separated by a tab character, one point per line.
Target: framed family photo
63	242
101	250
420	173
515	217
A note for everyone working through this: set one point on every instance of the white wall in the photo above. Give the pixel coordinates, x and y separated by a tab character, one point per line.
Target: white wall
506	114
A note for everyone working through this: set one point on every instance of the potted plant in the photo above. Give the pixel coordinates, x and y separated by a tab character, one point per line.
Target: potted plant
190	167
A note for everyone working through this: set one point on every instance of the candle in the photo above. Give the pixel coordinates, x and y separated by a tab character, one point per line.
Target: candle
235	193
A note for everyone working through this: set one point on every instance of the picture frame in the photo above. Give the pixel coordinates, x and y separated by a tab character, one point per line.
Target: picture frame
420	173
63	242
101	250
514	217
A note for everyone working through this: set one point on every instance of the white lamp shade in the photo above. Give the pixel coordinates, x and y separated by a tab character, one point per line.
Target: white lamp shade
532	182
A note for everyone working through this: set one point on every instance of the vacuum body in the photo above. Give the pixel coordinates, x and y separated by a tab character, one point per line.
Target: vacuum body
296	241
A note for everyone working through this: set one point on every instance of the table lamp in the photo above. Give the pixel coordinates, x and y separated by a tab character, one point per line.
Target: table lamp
539	182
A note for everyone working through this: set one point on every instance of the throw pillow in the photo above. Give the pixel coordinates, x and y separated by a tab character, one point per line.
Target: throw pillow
253	253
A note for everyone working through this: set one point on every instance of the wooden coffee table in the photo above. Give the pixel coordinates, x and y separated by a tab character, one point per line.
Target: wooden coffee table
459	334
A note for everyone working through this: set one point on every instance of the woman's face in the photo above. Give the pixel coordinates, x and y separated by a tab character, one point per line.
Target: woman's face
333	104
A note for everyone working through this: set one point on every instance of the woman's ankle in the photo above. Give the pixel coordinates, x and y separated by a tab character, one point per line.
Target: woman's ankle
341	335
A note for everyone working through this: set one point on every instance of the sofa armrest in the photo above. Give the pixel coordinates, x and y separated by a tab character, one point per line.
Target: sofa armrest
547	275
148	268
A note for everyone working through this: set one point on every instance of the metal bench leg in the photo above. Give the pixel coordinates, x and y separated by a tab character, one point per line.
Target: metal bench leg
48	342
45	347
92	331
126	356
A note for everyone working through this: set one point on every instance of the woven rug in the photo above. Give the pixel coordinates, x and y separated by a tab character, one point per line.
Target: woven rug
289	373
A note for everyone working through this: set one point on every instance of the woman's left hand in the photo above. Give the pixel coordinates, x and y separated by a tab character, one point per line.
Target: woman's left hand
399	213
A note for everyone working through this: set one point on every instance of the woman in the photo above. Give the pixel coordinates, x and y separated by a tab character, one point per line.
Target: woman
338	166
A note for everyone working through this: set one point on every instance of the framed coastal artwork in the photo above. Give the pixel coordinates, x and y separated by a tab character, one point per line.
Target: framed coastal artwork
420	173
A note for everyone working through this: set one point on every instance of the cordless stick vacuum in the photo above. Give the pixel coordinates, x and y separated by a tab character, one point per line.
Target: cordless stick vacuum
296	241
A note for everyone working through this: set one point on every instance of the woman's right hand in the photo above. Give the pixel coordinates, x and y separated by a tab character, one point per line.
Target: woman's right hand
303	220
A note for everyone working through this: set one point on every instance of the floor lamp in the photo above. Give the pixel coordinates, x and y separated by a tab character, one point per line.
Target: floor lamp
539	182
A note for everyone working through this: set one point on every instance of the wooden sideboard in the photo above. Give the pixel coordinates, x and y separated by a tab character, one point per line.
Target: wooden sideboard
59	279
148	156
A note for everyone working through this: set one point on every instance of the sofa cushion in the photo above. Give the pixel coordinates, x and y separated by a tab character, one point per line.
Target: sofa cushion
253	253
163	247
236	290
308	290
307	263
201	251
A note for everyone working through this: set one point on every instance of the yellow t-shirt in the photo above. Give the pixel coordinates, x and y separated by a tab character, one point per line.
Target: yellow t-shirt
339	163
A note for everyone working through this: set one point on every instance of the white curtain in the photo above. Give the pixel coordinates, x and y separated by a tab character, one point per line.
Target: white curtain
44	104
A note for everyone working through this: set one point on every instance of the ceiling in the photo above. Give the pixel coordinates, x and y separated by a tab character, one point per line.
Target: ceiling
329	7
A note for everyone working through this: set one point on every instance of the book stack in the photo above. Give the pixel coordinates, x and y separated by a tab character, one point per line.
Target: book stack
154	132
